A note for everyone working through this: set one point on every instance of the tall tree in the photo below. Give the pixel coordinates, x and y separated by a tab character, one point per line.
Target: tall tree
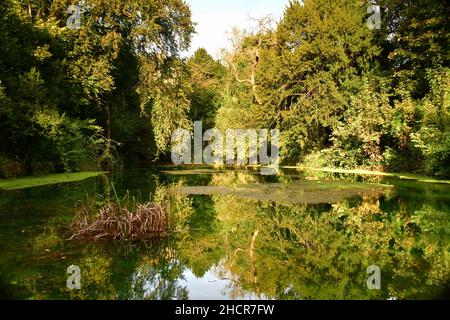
58	77
207	77
415	37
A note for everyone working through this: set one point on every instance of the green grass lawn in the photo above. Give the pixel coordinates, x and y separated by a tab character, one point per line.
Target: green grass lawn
29	182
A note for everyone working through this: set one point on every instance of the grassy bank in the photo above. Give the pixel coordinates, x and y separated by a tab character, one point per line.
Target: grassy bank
29	182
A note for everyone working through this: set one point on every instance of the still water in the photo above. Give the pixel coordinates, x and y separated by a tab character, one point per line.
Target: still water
297	235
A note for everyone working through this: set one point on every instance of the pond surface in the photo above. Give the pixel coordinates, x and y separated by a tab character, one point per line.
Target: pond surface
297	235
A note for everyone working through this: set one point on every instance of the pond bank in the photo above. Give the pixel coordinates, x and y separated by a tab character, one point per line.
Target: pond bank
402	176
29	182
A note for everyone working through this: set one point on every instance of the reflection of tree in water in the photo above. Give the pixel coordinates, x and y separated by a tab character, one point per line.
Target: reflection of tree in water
322	251
285	251
147	270
144	270
96	276
157	277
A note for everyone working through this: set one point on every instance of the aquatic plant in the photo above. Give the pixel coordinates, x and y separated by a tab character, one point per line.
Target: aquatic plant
115	222
130	219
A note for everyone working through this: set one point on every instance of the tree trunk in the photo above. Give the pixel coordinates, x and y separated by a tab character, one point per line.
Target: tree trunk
107	119
106	152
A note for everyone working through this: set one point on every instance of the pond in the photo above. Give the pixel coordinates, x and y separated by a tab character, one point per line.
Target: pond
296	235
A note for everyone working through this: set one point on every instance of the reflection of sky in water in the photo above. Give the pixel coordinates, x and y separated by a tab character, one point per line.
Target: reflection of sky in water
212	286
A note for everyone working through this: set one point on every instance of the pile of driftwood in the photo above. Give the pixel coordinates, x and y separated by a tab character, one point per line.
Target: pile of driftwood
113	222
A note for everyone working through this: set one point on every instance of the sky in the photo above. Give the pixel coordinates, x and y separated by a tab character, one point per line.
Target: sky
215	18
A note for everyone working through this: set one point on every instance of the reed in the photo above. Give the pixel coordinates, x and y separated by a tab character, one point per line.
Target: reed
115	222
166	211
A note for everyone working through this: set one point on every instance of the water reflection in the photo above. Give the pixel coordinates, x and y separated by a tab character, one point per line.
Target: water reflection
161	281
241	247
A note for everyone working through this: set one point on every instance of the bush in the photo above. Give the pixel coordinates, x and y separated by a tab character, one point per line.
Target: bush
433	137
76	143
10	168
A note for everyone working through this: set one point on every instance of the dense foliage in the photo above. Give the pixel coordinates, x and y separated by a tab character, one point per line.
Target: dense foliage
342	94
71	98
